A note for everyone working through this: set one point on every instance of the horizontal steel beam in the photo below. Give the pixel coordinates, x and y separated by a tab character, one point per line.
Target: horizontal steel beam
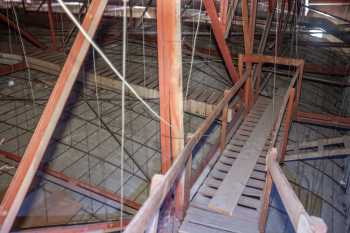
9	69
77	185
323	119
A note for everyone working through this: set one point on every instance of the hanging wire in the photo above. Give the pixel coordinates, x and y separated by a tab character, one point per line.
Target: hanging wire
109	63
8	25
25	59
193	50
275	62
143	48
125	2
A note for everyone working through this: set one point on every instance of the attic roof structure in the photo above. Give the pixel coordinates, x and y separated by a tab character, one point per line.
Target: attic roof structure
192	116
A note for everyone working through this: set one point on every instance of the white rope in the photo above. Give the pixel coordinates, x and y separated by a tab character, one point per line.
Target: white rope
25	59
109	63
275	64
123	110
8	25
193	50
143	48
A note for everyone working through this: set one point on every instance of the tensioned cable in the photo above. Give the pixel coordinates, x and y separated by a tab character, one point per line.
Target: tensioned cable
109	63
25	58
193	50
143	48
275	64
8	25
123	110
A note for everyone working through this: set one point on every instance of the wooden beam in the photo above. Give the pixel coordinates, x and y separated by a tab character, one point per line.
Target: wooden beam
323	119
36	148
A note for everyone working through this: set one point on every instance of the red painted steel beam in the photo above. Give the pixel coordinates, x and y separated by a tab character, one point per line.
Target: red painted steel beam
37	146
51	24
170	80
27	35
78	183
323	119
170	92
223	13
327	70
114	226
329	1
9	69
220	38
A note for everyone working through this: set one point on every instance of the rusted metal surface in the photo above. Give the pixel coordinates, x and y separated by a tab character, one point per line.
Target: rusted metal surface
70	181
27	35
35	150
220	39
323	119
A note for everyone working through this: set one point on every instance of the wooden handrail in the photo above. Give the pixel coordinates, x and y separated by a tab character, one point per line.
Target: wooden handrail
153	203
301	220
282	111
150	207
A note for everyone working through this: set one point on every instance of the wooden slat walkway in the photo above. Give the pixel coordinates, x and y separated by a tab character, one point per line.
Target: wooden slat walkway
238	173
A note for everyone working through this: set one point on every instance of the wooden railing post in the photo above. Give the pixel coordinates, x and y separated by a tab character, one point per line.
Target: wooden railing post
248	91
183	190
258	80
223	131
153	225
287	125
299	83
302	222
266	199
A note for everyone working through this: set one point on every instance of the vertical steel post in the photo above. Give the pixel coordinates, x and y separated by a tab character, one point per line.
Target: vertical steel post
170	89
51	25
